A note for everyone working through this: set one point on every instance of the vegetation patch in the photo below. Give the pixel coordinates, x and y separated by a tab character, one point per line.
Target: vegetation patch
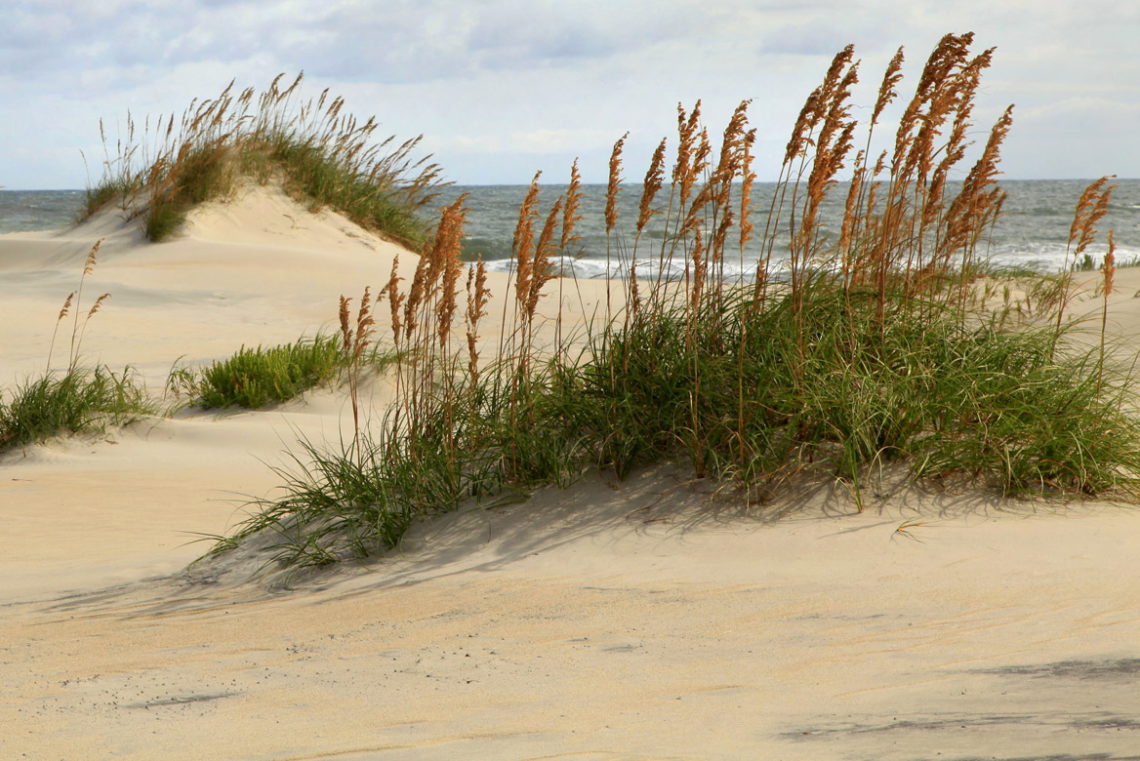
323	157
839	350
254	378
77	401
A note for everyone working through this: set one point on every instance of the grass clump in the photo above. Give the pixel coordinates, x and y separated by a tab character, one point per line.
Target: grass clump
347	500
258	377
321	156
952	398
77	401
254	378
839	350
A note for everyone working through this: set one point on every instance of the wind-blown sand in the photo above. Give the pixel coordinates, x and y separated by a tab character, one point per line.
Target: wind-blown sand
638	620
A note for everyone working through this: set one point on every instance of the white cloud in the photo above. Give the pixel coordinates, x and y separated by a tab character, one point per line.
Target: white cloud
535	141
502	87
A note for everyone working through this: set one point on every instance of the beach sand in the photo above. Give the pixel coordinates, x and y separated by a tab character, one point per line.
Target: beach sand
644	619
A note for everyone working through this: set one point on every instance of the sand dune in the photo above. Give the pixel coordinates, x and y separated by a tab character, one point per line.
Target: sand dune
639	620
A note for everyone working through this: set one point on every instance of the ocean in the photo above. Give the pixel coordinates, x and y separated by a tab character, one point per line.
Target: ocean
1032	232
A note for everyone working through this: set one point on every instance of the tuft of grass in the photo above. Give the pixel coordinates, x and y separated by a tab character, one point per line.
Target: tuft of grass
1088	264
77	401
343	503
254	378
101	196
322	156
838	352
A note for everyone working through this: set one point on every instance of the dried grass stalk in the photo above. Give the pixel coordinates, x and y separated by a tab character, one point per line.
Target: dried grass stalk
66	308
541	271
684	175
1091	208
887	90
395	298
98	303
1110	263
654	178
570	216
477	296
523	242
345	329
613	184
362	336
446	248
748	177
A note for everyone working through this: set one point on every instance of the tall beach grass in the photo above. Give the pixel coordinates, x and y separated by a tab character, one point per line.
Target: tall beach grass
838	353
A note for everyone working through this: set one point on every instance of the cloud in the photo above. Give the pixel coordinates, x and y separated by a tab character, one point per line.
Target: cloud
529	77
541	141
812	39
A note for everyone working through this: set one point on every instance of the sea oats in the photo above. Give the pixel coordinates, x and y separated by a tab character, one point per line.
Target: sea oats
541	270
449	240
523	243
613	184
570	216
654	178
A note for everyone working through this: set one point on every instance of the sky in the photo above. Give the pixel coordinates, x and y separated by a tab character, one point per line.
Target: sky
500	89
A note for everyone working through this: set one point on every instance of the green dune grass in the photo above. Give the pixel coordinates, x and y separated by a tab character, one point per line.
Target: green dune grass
843	350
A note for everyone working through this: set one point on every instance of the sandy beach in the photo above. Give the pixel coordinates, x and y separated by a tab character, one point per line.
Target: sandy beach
641	619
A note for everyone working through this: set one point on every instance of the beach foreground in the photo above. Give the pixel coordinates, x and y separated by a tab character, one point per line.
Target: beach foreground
634	620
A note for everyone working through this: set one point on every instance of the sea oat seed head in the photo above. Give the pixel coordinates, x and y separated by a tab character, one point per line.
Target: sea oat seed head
364	323
614	182
748	177
345	332
1091	207
1110	264
449	242
63	312
95	307
540	270
89	263
524	240
570	214
654	178
887	91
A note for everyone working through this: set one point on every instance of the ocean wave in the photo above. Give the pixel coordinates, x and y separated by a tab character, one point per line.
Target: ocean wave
1035	256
